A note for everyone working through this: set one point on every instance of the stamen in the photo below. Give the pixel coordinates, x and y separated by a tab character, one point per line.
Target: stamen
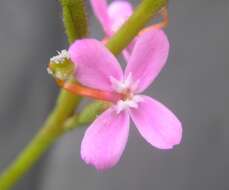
129	103
116	84
127	85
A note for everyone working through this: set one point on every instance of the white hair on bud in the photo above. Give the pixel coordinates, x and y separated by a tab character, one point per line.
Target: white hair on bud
49	71
60	57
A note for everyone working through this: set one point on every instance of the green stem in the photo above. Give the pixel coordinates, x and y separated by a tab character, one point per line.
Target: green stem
86	116
143	13
66	104
48	134
75	20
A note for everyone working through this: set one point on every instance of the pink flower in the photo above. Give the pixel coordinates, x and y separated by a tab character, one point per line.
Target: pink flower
105	140
112	17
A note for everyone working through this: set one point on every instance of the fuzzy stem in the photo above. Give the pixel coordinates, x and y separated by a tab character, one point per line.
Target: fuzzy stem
48	134
53	127
75	23
134	24
88	115
74	18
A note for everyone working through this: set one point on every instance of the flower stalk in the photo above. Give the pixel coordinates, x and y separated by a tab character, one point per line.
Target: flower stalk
86	116
74	18
78	89
136	22
76	27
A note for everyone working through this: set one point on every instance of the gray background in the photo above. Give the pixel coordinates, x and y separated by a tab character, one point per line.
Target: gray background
194	85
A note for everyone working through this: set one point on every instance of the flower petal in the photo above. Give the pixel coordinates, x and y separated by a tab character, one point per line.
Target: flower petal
101	11
119	11
105	140
128	51
126	54
156	123
95	64
148	58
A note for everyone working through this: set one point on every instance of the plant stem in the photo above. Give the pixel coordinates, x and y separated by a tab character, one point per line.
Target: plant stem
48	134
143	13
66	103
88	115
74	18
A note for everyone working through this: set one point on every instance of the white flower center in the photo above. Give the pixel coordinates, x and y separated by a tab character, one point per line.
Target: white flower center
128	103
126	87
127	84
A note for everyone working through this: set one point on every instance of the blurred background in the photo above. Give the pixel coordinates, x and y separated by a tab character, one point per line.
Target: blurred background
194	84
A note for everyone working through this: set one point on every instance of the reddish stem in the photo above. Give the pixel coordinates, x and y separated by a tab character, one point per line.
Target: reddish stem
78	89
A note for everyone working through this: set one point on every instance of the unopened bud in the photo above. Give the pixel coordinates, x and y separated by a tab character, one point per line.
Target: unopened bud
60	66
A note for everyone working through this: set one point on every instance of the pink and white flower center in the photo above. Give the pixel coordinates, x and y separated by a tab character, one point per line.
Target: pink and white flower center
127	88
